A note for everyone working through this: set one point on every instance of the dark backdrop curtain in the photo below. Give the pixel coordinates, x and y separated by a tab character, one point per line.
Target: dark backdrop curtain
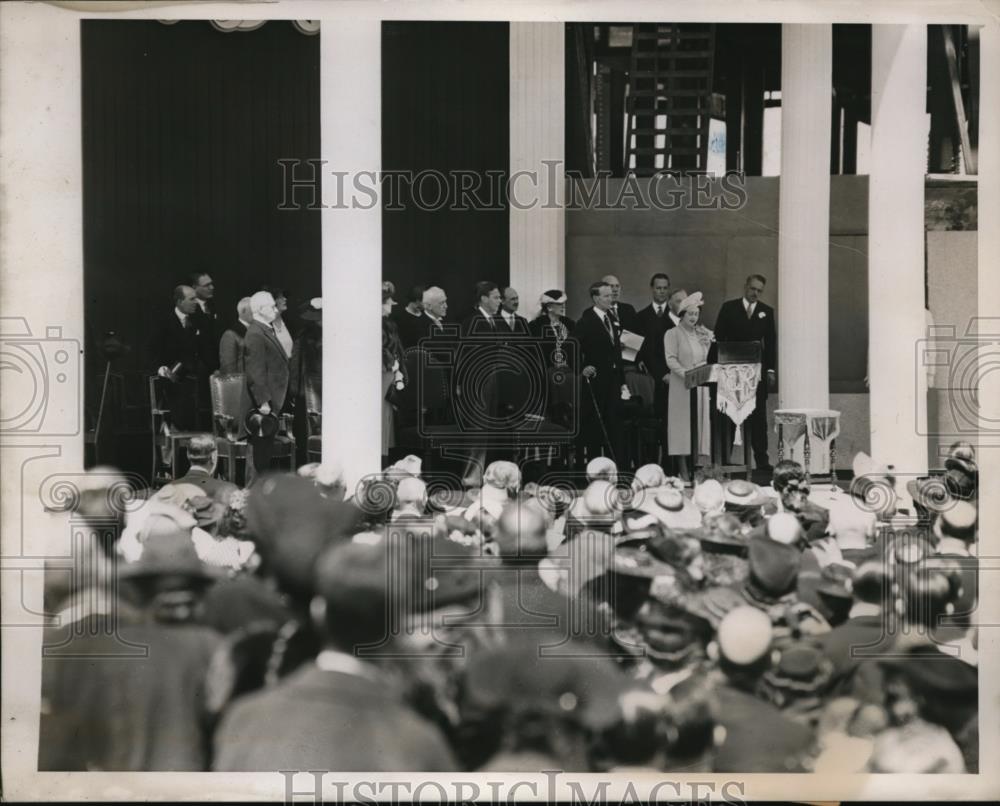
445	107
183	127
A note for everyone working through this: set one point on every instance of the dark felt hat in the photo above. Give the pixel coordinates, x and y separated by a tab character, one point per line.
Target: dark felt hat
583	690
292	524
774	567
802	673
723	534
935	674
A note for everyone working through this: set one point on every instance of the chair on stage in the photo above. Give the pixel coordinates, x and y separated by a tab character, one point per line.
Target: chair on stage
314	418
227	389
644	429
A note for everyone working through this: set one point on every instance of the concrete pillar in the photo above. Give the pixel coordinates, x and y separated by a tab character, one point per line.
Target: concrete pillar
896	318
804	217
537	147
351	138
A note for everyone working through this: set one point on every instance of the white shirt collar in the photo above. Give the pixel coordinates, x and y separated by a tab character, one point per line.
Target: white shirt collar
262	322
600	314
484	312
506	314
747	306
180	315
202	304
329	660
674	317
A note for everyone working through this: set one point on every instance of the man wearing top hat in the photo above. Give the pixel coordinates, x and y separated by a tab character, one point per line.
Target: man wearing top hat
265	383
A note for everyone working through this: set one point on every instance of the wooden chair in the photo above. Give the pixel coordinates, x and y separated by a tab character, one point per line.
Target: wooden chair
227	427
314	418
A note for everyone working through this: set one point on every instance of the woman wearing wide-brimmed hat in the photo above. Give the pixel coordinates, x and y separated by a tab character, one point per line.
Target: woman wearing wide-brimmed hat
686	346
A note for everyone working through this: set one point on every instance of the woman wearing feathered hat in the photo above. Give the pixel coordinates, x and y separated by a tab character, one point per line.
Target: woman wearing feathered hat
686	347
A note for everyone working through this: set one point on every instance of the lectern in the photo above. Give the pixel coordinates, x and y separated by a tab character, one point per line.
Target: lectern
735	376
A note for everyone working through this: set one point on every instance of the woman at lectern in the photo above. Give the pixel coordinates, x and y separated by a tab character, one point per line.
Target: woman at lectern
686	347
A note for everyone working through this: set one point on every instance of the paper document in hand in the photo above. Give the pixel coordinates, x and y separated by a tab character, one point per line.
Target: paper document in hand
631	344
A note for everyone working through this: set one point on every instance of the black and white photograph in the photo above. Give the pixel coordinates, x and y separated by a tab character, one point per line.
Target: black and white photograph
661	457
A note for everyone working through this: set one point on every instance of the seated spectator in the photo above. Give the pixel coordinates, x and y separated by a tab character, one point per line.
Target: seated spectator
204	458
411	500
501	481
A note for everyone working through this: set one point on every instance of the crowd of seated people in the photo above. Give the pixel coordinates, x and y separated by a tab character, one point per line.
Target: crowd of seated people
632	624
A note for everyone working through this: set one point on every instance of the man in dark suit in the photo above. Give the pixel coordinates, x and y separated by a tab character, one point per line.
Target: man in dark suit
749	319
266	377
176	351
622	313
203	456
509	317
652	323
435	310
231	359
603	371
409	318
206	317
482	330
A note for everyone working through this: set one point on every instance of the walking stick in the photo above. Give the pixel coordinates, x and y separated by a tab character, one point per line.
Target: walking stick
600	420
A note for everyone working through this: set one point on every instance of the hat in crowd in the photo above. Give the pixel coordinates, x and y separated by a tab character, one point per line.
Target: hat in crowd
962	457
502	475
587	557
929	492
515	680
709	497
961	484
177	494
782	527
836	581
723	534
259	424
937	676
670	633
311	310
96	493
407	466
647	476
602	467
714	604
800	677
206	511
353	577
154	518
638	561
774	569
814	520
292	523
830	591
958	521
918	747
741	493
744	635
169	553
694	300
436	571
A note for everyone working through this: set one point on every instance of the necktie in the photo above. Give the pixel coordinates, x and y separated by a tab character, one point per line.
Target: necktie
510	322
608	327
749	311
659	311
188	324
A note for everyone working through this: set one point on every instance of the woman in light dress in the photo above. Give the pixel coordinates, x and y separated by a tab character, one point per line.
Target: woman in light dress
686	346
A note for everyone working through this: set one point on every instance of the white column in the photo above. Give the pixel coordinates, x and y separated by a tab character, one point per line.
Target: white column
351	137
896	320
804	217
537	146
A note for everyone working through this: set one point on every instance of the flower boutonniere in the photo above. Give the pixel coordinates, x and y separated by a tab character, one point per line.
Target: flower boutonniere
761	315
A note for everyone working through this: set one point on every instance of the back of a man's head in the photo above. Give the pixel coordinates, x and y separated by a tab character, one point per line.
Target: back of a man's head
201	450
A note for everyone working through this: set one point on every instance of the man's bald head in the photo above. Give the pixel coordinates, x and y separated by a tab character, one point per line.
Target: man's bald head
521	532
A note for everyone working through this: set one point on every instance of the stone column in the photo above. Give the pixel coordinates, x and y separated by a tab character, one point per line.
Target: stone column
804	217
537	147
351	137
896	319
804	230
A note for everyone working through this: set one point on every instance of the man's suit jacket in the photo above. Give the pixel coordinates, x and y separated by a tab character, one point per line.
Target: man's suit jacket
327	720
174	343
231	349
208	334
732	324
266	377
627	317
600	352
652	328
215	488
520	325
411	328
